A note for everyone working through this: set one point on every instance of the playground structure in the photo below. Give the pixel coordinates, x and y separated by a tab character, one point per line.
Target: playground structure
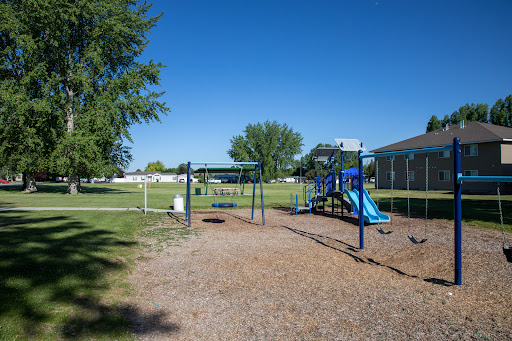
233	192
323	188
333	186
458	180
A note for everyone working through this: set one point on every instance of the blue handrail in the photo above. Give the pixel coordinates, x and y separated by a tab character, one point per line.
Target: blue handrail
484	178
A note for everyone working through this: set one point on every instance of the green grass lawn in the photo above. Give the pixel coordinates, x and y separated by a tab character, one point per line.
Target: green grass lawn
64	274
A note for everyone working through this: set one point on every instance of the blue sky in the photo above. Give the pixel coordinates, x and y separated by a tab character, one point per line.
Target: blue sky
372	70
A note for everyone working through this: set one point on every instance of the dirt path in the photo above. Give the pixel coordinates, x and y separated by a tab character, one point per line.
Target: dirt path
304	278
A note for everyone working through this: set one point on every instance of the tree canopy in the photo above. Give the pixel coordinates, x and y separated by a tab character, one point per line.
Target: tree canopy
500	114
272	144
157	166
71	84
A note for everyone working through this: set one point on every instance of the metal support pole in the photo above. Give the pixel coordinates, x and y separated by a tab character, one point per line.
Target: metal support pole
291	203
296	204
188	214
333	179
342	185
360	187
253	191
145	194
457	212
262	204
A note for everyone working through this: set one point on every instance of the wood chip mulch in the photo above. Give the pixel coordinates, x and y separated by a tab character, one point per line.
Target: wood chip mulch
304	278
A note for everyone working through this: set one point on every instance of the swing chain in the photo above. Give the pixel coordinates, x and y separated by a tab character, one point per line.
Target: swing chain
501	218
377	179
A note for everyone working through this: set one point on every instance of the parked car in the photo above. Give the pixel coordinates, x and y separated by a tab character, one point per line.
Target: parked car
372	179
3	181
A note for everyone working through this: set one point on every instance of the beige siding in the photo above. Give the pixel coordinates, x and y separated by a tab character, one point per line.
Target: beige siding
506	154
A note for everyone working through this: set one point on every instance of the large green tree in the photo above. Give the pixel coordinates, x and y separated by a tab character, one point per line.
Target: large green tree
27	110
94	86
157	166
272	144
501	112
434	123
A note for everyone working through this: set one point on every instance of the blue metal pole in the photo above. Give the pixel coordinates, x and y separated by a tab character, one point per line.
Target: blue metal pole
253	192
261	190
361	219
188	194
457	211
309	200
291	203
296	204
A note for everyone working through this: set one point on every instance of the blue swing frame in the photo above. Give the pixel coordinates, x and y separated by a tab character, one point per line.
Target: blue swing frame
257	169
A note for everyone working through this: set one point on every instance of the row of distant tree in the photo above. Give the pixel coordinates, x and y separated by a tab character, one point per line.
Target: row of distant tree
158	166
499	114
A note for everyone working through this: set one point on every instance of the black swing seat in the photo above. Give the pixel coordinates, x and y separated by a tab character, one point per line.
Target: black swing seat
224	204
381	231
415	241
507	250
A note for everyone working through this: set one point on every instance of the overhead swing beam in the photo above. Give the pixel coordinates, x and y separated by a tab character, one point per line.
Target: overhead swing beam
257	167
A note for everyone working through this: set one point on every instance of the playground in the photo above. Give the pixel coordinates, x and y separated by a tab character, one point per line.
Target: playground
303	277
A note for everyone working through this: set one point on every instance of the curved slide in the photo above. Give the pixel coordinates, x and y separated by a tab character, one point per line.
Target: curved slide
371	213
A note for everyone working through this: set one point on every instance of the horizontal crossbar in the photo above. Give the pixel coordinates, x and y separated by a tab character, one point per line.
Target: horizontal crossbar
466	178
411	151
224	163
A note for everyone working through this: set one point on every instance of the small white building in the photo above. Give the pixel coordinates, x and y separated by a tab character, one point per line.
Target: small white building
152	176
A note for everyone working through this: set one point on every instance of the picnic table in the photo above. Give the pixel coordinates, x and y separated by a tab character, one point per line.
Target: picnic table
225	191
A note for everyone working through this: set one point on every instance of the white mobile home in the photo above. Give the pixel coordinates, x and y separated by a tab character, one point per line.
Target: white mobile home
151	176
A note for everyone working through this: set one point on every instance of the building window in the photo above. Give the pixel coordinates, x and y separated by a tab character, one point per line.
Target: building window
134	178
444	175
444	154
471	150
409	156
390	157
471	172
390	177
411	175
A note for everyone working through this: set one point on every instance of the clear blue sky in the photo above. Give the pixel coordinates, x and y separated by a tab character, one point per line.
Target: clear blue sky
372	70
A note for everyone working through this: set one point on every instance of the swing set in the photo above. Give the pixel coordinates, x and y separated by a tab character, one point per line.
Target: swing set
407	176
222	192
458	180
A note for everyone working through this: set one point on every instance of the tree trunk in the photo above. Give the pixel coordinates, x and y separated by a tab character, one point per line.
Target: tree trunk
74	184
29	183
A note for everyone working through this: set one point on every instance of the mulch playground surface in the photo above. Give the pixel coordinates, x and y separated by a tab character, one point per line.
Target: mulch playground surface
303	277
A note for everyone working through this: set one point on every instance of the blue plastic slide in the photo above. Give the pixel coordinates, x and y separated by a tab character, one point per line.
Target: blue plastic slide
371	213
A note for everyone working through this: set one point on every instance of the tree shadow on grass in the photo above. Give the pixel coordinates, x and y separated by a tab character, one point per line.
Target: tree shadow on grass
53	272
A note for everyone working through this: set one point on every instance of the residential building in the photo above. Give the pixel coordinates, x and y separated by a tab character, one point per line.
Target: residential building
151	176
486	149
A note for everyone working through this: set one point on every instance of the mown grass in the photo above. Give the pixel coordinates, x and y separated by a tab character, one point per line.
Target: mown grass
63	275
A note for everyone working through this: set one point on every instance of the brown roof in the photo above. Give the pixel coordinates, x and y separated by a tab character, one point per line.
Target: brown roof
473	132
